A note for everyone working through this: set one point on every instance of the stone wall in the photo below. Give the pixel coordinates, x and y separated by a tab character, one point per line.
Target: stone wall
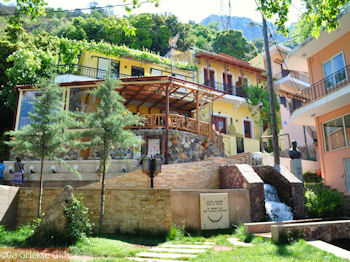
125	209
290	189
322	230
196	175
244	176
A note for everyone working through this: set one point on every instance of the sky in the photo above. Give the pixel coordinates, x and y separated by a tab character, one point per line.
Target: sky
186	10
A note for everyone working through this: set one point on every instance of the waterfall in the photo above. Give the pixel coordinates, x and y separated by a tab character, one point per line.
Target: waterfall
275	209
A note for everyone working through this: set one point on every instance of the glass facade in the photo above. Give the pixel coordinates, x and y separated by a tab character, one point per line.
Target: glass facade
81	101
337	133
27	100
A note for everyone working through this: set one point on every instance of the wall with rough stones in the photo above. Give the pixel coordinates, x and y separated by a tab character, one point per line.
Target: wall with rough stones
196	175
244	176
322	230
290	189
126	210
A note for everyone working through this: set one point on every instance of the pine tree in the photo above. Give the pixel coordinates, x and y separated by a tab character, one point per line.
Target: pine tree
105	128
47	136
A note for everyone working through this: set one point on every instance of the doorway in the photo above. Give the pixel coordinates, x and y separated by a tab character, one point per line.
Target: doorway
220	124
247	127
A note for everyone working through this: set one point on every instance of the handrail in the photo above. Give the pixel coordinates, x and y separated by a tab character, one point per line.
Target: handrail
321	88
179	122
228	88
293	74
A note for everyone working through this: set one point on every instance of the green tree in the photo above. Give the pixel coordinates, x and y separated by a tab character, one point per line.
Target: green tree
259	105
259	44
233	43
318	13
105	128
46	137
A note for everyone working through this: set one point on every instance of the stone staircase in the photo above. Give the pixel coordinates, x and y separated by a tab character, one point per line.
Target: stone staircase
173	252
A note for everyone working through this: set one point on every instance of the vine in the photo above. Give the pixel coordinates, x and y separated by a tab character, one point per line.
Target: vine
70	50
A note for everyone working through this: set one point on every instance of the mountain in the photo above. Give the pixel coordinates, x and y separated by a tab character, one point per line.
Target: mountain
242	23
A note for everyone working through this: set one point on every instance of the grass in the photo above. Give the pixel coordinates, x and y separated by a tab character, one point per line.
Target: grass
116	247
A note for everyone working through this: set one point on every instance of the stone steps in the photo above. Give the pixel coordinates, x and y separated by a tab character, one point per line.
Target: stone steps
170	252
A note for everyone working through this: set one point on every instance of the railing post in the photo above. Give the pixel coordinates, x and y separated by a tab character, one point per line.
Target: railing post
197	112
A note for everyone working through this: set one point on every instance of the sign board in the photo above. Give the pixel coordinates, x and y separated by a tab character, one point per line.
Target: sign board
153	147
214	211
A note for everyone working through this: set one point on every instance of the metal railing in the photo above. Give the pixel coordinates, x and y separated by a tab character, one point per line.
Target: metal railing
89	71
327	85
228	88
293	74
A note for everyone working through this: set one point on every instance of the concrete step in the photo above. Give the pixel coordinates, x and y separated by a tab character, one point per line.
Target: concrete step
177	250
264	235
152	259
164	255
187	246
337	251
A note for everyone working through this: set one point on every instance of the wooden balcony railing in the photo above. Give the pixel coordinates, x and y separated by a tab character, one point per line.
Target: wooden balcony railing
179	122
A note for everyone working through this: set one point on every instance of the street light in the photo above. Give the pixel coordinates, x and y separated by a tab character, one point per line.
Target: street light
276	152
152	166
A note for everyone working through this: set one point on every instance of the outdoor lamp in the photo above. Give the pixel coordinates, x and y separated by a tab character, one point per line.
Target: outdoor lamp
53	169
31	169
152	166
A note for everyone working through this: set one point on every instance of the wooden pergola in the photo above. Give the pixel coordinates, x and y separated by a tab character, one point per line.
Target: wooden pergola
169	94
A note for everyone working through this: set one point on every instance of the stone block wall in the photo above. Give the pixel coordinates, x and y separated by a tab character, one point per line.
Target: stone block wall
125	209
244	176
196	175
323	230
290	189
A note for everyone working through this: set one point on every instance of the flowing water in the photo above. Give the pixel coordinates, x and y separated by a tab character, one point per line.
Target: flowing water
275	209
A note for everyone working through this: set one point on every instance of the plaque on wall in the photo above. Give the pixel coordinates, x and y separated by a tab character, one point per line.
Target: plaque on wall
153	147
214	211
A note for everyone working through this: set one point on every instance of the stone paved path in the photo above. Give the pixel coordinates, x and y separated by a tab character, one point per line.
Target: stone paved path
172	252
234	241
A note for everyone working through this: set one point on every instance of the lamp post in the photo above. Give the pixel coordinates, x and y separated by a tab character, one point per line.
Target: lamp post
152	166
276	152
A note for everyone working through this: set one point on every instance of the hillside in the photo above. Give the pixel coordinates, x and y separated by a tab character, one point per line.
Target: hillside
241	23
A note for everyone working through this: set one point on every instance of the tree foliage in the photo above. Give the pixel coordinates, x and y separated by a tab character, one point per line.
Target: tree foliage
105	128
318	13
46	137
233	43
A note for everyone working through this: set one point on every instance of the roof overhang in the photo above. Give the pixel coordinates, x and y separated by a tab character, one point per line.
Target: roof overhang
297	58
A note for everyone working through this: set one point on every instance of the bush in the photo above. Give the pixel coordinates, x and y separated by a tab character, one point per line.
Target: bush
310	177
78	225
323	202
176	233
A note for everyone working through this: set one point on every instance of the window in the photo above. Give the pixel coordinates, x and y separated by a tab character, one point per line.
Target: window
115	69
209	78
156	72
27	100
334	70
337	133
81	101
283	101
137	71
179	76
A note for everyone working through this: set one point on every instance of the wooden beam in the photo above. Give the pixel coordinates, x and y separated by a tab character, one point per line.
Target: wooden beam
197	111
132	96
173	103
167	124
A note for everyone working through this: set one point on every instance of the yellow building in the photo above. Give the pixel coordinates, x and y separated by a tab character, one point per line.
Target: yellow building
204	89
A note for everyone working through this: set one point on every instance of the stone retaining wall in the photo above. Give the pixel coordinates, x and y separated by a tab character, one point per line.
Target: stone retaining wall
325	230
244	176
126	210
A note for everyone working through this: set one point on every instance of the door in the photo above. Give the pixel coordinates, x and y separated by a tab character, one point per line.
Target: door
228	87
240	84
240	145
247	129
102	68
211	80
115	69
347	172
220	124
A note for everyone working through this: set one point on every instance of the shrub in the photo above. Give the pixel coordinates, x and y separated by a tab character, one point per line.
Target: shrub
323	202
291	236
176	233
310	177
78	225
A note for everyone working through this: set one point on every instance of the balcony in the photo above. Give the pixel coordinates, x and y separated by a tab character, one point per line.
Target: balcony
228	88
291	79
322	97
179	122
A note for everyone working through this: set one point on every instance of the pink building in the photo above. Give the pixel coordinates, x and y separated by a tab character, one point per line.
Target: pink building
326	103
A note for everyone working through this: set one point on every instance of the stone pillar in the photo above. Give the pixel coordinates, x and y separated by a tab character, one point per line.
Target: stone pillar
296	169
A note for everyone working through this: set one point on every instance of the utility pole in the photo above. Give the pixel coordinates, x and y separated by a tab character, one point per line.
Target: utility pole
276	150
